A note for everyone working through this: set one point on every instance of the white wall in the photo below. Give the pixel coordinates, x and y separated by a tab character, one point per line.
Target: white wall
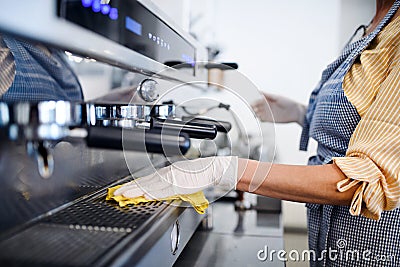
177	10
282	46
352	14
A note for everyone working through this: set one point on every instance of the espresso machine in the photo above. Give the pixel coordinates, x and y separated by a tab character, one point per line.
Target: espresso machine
58	158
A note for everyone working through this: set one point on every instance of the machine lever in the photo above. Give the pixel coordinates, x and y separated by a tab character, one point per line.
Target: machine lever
194	130
168	142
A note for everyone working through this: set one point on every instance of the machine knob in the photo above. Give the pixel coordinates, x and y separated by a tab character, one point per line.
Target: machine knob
148	90
175	238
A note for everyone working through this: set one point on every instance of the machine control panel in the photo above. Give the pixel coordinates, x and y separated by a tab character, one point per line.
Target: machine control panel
132	25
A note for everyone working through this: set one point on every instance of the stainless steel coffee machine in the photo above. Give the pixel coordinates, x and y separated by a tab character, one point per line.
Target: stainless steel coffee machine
58	157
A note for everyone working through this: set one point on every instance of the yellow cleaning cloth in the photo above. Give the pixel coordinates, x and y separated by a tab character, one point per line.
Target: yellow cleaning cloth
197	200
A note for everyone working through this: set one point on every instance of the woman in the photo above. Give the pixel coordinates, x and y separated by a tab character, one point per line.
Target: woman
354	116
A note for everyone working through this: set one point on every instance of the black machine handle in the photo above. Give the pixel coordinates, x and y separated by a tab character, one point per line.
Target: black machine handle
222	66
222	126
167	142
194	130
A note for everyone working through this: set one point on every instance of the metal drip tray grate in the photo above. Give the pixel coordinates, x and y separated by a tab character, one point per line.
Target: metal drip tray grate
102	213
56	245
78	235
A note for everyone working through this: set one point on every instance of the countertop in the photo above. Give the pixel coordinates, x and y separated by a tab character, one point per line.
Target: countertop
237	238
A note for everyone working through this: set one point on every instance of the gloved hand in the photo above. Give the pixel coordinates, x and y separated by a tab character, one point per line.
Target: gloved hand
183	178
282	109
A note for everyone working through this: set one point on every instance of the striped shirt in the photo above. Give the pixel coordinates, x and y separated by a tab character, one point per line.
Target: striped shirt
372	161
7	67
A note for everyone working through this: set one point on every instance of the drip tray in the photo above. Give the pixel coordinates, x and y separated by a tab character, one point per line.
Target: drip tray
78	235
56	245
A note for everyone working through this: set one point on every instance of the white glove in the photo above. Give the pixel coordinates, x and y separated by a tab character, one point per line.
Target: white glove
184	177
282	109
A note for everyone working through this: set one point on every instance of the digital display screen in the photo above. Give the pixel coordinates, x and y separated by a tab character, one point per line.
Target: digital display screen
131	24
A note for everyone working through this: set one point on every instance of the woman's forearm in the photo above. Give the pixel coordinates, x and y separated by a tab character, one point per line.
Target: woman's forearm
310	184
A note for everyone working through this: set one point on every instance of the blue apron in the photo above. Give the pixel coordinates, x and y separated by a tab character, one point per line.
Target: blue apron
39	77
331	120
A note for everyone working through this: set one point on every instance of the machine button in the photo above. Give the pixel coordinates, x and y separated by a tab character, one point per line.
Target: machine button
148	90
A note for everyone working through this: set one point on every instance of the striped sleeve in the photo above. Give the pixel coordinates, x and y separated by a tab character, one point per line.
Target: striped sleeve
372	161
7	67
